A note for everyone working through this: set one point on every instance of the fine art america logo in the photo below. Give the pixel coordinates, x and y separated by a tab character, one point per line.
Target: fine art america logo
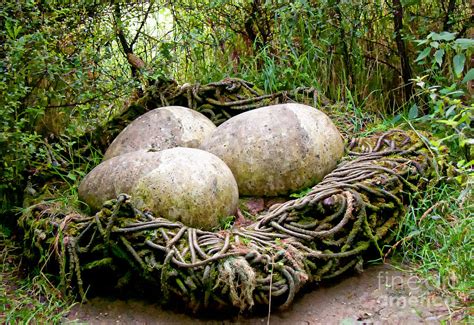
408	292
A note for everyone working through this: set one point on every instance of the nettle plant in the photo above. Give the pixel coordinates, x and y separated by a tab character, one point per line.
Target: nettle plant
443	92
446	55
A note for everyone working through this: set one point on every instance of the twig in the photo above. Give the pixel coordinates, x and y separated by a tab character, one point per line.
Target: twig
427	212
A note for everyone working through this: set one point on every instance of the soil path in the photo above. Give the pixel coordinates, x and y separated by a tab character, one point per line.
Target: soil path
380	295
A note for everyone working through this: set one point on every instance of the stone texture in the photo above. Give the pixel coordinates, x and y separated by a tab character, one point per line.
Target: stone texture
162	128
115	176
189	185
277	149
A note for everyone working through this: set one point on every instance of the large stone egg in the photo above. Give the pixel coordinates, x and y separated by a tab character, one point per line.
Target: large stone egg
275	150
191	186
162	128
115	176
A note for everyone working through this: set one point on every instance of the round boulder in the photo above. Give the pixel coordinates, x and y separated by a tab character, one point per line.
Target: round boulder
162	128
279	149
115	176
189	185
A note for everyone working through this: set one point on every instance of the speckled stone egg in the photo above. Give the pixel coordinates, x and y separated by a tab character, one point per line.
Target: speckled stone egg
191	186
162	128
275	150
115	176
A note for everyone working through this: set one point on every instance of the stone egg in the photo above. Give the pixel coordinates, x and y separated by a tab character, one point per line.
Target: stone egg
279	149
189	185
115	176
162	128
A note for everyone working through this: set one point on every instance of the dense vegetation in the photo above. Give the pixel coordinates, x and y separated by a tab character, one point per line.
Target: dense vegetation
67	70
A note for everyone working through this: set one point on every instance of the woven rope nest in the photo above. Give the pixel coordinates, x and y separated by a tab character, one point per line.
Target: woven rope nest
265	259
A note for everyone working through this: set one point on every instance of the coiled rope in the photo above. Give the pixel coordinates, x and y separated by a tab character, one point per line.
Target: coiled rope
354	211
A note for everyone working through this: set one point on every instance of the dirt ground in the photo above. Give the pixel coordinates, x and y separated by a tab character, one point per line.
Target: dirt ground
380	295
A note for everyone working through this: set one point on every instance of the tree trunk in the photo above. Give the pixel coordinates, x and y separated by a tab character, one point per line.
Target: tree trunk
345	48
135	62
402	52
447	24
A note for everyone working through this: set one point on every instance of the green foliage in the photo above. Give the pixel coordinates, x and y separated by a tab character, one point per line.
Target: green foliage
437	239
226	222
436	234
56	80
448	61
442	94
450	118
335	46
300	194
26	300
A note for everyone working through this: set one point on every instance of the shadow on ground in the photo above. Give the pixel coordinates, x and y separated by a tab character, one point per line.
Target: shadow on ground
380	295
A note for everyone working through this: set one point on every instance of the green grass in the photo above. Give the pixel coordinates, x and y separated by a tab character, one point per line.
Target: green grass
436	241
26	298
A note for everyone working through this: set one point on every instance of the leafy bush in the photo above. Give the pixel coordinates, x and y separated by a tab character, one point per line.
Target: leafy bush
443	94
56	80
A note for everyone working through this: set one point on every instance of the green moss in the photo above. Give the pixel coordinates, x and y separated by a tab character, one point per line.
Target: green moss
99	263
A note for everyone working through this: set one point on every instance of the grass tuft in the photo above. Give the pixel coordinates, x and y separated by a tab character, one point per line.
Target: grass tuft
436	240
26	298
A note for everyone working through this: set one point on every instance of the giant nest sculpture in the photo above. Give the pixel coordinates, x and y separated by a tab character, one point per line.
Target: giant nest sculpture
266	255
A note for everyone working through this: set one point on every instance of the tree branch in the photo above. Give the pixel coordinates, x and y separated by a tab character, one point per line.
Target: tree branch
141	25
127	49
86	101
388	64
